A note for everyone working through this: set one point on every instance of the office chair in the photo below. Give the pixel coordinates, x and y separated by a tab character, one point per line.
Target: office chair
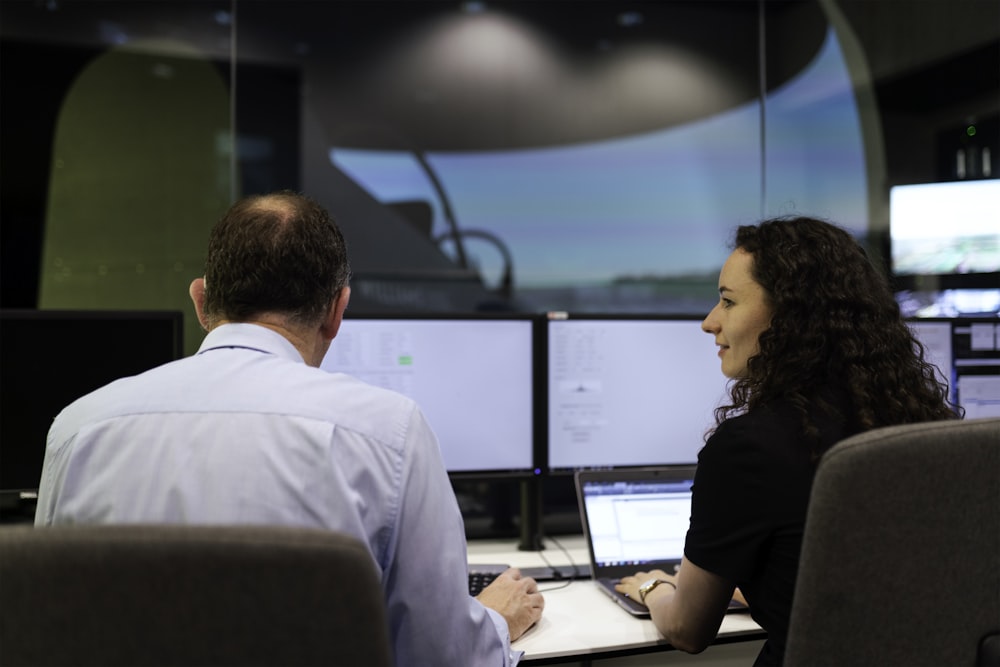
188	595
901	554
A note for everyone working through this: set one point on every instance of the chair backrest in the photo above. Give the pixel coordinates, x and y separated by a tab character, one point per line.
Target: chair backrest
901	555
188	595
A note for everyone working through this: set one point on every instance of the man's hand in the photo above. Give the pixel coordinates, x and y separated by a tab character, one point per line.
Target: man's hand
516	598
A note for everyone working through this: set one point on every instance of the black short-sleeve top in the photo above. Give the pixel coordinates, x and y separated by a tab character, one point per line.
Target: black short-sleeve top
749	500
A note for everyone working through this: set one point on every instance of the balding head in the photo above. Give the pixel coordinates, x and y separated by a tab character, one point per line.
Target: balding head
279	253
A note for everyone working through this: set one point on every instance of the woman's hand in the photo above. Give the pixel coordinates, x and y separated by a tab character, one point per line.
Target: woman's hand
630	585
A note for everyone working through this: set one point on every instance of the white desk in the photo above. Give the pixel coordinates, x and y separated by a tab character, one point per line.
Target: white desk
579	621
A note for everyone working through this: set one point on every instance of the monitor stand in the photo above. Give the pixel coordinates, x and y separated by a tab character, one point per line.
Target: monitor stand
531	515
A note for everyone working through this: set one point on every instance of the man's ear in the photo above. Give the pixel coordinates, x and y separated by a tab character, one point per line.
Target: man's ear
336	315
197	293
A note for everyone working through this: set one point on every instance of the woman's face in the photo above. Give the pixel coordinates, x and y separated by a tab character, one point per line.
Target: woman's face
741	315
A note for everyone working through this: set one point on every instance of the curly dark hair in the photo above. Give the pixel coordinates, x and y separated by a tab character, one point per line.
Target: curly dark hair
274	253
835	325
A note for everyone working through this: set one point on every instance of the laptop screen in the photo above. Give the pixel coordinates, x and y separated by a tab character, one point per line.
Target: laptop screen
636	522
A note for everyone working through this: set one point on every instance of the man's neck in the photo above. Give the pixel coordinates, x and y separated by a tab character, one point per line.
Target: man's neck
307	340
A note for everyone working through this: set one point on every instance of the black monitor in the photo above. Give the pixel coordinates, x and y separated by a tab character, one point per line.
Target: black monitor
967	351
473	377
629	390
49	358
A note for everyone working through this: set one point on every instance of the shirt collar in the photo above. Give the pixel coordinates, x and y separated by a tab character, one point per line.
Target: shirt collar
251	337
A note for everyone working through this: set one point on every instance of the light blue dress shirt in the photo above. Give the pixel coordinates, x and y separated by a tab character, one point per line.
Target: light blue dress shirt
245	432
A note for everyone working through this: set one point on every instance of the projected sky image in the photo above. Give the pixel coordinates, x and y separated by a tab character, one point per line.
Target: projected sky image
657	204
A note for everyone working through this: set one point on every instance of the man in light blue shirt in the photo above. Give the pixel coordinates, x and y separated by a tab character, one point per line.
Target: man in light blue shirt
250	431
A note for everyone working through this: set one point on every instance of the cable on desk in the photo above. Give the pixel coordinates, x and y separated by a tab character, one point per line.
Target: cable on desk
561	586
556	573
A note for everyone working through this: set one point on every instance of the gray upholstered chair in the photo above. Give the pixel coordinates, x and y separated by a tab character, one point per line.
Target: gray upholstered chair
188	595
901	556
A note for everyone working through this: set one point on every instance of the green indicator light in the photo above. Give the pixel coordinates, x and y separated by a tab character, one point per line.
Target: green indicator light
971	130
406	360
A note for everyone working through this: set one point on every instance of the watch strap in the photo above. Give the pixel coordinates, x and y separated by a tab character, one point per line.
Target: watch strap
646	588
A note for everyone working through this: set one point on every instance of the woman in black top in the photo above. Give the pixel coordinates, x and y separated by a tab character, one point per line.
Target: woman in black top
812	338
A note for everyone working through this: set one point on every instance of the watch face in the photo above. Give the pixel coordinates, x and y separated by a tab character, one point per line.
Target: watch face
646	588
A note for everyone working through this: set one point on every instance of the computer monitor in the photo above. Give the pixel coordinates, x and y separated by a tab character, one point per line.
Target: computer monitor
967	351
935	335
976	345
948	228
629	390
473	377
49	358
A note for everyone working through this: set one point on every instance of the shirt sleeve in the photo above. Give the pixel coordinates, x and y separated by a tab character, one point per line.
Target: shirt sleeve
729	517
432	617
54	464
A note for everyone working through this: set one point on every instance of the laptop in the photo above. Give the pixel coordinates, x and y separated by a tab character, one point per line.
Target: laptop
635	519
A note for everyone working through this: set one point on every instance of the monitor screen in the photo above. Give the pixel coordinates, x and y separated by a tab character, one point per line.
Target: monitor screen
945	228
935	336
472	376
976	345
629	390
967	351
49	358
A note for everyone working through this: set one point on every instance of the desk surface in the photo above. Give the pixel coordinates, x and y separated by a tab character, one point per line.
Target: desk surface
579	620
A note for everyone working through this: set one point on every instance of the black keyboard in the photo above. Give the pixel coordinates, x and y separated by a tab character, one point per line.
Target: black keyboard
480	580
481	576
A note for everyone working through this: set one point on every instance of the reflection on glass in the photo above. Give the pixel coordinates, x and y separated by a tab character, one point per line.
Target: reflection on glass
647	207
